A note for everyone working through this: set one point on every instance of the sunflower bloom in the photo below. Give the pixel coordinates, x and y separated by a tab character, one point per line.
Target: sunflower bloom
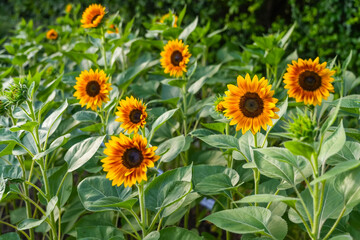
112	29
167	17
175	57
250	104
92	16
132	113
92	88
51	34
128	159
68	8
308	81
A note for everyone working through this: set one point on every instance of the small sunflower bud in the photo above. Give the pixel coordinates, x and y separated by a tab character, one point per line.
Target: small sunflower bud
219	105
16	94
302	128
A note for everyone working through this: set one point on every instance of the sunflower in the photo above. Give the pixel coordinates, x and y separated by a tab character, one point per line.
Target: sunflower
132	114
112	29
167	17
51	34
92	88
92	16
68	8
219	105
308	81
175	57
128	159
250	104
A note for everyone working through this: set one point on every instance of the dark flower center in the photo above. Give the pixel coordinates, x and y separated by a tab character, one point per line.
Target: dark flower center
309	81
94	18
92	88
53	35
132	158
251	105
176	58
135	116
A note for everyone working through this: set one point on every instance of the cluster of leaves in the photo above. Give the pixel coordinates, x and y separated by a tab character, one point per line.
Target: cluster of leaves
51	179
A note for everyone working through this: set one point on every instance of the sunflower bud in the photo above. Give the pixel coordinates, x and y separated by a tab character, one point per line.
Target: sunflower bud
16	94
302	128
219	105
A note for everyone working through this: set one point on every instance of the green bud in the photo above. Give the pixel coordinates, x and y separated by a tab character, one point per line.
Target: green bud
16	94
301	127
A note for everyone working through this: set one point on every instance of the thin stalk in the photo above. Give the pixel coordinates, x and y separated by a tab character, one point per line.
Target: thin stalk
186	218
14	227
103	52
335	224
256	182
185	110
159	225
153	222
304	206
37	188
276	193
132	227
142	208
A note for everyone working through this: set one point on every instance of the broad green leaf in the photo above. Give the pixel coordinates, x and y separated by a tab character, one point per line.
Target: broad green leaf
114	202
31	222
81	152
152	192
11	172
178	234
350	151
247	143
54	182
280	154
53	146
209	72
333	143
85	116
264	198
181	16
160	121
221	141
352	101
273	168
52	121
188	30
274	56
331	118
171	148
10	236
286	37
92	128
300	148
342	237
155	235
28	126
200	172
217	183
98	233
219	127
2	186
99	189
49	89
338	169
250	220
347	184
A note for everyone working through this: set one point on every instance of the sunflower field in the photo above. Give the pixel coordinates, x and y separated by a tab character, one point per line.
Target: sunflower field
118	123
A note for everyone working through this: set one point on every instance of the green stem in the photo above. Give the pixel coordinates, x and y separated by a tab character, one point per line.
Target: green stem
103	52
14	227
132	227
37	188
335	224
256	182
185	109
142	208
304	206
159	225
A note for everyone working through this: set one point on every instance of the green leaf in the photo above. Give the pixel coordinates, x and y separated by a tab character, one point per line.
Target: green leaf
49	89
181	16
338	169
99	189
350	151
55	178
274	56
250	220
280	113
188	30
218	183
85	116
155	235
280	154
342	237
333	143
219	127
300	148
19	60
352	101
347	184
11	172
51	123
178	234
114	202
81	152
247	143
331	118
209	71
221	141
60	141
160	121
10	236
28	126
265	198
273	168
154	193
98	233
171	148
92	128
31	223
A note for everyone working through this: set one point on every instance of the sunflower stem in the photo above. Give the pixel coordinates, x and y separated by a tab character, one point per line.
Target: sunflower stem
103	52
142	208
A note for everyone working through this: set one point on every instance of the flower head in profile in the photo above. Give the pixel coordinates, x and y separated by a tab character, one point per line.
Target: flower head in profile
175	57
169	18
308	81
132	114
128	159
92	88
51	34
250	104
219	105
92	16
68	8
113	29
